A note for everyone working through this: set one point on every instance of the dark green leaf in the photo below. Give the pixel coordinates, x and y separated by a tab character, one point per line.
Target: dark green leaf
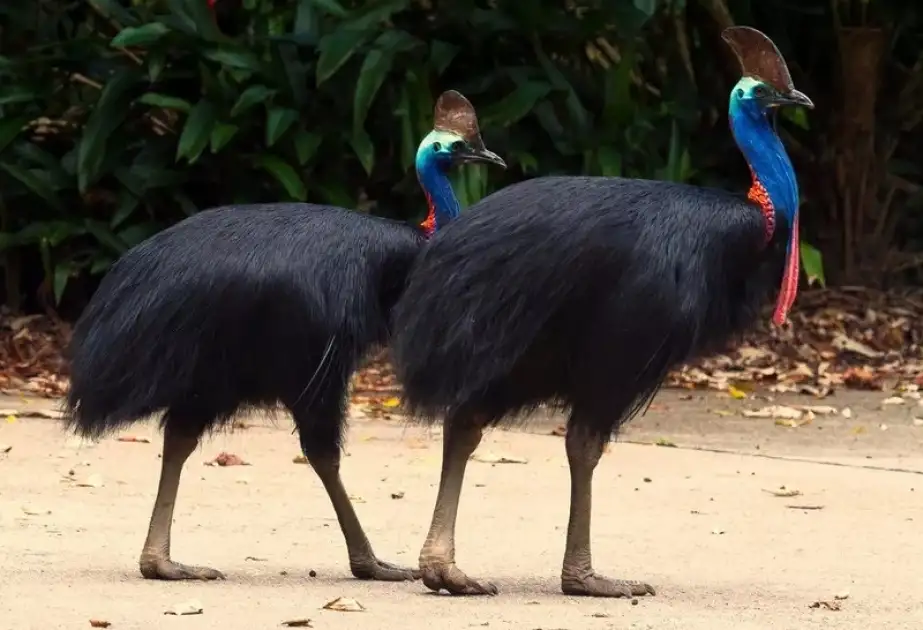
332	7
221	135
373	73
196	131
34	182
335	50
138	233
188	207
610	161
62	275
278	120
441	55
647	7
408	142
396	41
104	234
10	128
139	35
296	72
516	105
167	102
307	26
156	62
107	115
364	149
114	10
128	203
100	265
284	174
250	97
306	145
17	95
241	59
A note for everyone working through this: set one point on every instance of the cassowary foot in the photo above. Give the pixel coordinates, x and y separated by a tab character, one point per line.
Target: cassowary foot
452	579
381	571
593	585
165	569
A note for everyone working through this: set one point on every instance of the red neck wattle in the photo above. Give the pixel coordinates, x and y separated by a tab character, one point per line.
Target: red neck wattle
429	223
789	289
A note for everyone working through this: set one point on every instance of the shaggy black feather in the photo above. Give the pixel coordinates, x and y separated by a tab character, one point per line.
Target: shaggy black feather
530	297
236	307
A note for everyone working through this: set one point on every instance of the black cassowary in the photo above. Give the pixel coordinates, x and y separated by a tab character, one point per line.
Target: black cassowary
584	292
255	306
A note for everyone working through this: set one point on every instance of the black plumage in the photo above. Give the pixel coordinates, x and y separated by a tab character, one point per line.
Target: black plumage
252	307
581	291
584	292
235	308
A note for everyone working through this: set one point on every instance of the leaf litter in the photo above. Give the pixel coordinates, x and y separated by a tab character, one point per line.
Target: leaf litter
845	338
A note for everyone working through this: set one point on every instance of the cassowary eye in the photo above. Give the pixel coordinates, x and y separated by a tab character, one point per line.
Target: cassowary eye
437	146
457	146
759	91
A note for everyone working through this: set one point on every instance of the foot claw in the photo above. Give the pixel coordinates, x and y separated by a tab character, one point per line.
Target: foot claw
454	580
593	585
381	571
162	569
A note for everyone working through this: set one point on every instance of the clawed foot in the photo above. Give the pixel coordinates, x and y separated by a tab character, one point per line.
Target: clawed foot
375	569
164	569
593	585
454	580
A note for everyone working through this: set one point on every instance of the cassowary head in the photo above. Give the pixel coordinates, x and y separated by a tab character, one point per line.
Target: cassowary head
455	138
766	83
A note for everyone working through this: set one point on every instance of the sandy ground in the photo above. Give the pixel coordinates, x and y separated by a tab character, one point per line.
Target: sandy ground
701	526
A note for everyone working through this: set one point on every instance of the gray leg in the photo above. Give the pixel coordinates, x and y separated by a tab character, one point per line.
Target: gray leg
155	557
362	561
577	574
437	558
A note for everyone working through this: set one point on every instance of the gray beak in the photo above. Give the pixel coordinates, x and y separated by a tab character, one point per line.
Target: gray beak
480	155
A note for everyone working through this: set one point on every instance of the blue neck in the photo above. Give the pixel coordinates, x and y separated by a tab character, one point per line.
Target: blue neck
439	193
764	152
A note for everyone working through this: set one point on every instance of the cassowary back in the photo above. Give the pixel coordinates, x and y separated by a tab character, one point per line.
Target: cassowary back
580	290
236	306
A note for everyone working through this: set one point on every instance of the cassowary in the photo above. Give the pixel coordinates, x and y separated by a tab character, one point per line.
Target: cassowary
583	292
255	306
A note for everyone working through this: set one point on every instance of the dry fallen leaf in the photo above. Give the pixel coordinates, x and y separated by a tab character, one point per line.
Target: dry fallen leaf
834	605
821	410
774	411
134	438
665	442
397	495
344	604
391	403
5	448
32	510
93	481
736	393
783	492
53	414
492	458
191	607
846	413
99	623
300	459
841	596
227	459
298	623
805	507
893	400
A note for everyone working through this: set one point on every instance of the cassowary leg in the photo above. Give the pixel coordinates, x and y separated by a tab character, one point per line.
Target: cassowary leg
577	574
155	557
362	561
437	558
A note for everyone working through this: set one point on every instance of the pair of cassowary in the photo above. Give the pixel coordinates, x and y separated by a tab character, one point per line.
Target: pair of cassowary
581	291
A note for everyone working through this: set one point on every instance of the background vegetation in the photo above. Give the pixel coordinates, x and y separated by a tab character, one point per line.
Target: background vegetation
119	118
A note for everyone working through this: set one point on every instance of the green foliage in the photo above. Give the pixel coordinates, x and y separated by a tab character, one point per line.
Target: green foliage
121	117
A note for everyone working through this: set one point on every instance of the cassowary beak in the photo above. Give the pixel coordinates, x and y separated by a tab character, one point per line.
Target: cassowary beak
793	97
479	155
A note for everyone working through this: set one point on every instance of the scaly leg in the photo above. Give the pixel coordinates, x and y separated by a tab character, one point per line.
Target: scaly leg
577	574
155	557
362	561
437	558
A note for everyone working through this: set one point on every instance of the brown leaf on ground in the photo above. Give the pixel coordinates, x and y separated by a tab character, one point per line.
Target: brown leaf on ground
227	459
298	623
134	438
344	604
99	623
828	605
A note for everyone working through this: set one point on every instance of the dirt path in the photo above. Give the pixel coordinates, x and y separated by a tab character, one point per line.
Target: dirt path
724	553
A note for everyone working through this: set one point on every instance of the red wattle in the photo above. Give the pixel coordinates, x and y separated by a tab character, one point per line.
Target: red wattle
429	223
789	288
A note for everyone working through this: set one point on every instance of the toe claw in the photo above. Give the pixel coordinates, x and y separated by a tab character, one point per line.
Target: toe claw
450	578
593	585
380	571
